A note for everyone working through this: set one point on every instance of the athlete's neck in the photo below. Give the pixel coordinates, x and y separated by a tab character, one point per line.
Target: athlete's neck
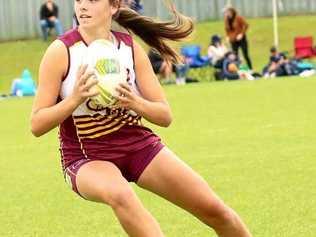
90	35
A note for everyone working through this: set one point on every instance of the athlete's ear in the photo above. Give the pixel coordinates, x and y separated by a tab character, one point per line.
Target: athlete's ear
115	7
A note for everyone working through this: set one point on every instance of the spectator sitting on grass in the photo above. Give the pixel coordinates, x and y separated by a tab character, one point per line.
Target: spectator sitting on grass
165	68
216	51
279	65
230	66
231	69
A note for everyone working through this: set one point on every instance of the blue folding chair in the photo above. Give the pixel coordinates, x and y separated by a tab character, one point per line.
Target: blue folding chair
192	53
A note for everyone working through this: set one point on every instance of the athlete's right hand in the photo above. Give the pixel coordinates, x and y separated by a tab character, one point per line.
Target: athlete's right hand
85	80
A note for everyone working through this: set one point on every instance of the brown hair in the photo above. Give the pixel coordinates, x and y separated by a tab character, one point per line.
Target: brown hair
230	21
155	33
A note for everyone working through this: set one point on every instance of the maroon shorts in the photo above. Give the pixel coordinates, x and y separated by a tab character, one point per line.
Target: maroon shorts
131	166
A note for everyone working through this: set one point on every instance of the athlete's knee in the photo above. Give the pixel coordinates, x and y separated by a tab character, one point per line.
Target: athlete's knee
218	215
122	196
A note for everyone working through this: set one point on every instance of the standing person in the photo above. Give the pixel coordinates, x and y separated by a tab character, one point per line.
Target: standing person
236	27
49	18
103	149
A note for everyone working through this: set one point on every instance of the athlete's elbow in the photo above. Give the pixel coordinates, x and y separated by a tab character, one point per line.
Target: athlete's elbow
167	121
166	124
35	131
35	134
35	128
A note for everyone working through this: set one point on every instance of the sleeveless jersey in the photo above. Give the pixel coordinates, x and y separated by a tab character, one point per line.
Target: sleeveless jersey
94	131
94	121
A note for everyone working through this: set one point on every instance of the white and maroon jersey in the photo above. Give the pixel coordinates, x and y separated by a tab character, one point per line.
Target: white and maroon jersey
93	121
100	133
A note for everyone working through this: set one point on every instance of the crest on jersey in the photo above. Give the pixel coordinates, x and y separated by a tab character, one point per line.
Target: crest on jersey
106	66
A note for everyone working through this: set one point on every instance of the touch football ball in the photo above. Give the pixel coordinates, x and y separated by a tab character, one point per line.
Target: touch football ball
232	68
103	59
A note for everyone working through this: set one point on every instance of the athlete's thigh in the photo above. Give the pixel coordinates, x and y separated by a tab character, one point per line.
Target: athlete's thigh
99	181
172	179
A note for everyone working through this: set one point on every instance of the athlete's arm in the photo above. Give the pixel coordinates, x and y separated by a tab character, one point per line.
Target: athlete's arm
153	105
46	112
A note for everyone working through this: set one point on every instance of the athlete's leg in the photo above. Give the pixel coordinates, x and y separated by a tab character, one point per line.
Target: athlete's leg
101	181
173	180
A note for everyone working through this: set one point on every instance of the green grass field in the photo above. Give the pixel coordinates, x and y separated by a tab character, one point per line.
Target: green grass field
253	141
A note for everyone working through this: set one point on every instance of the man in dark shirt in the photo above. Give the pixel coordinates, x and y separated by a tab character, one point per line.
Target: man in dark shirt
279	64
276	56
49	18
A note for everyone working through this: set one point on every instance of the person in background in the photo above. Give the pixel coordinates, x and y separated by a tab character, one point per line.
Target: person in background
231	66
216	51
49	19
236	27
165	68
232	70
135	5
278	65
23	86
161	67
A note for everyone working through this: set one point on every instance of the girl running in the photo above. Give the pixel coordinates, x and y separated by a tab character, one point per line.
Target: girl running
102	149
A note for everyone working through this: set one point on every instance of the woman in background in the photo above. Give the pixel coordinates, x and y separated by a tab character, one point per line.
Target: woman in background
235	28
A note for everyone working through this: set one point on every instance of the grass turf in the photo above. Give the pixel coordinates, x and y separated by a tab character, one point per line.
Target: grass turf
252	141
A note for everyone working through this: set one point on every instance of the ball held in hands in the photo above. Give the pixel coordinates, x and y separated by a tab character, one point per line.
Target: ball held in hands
103	58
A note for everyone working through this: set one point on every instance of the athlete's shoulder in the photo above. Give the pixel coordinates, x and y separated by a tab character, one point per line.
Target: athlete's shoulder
57	49
70	37
56	54
123	37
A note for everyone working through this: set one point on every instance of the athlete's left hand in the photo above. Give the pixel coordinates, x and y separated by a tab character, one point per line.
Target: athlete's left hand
127	98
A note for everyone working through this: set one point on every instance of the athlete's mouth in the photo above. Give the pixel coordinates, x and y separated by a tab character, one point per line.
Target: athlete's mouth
84	16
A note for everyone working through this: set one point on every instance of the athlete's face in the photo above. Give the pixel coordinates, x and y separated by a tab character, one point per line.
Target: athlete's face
94	13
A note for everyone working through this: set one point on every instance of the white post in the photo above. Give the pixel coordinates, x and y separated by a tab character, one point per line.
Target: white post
275	23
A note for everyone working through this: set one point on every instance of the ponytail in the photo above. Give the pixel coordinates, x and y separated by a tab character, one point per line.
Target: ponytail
156	33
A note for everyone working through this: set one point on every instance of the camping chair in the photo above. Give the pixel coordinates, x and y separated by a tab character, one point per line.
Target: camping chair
303	47
192	54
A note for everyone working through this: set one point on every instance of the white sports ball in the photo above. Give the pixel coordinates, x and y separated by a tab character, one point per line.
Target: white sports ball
103	59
